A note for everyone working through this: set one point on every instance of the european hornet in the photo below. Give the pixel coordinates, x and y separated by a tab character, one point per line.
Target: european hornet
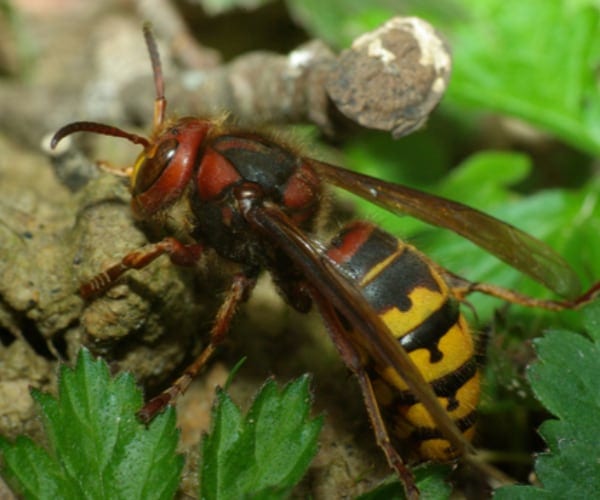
392	313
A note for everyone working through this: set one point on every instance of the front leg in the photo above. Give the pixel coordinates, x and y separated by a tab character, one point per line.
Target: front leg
179	253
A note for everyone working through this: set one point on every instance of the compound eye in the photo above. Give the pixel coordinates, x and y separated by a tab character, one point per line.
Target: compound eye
149	167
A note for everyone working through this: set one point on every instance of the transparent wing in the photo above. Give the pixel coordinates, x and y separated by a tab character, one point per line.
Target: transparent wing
519	249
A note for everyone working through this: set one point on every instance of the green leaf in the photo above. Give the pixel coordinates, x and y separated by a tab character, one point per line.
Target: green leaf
32	472
591	320
265	453
565	379
96	447
430	479
535	60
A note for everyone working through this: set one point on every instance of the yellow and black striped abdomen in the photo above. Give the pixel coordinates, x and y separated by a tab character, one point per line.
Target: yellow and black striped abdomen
416	304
